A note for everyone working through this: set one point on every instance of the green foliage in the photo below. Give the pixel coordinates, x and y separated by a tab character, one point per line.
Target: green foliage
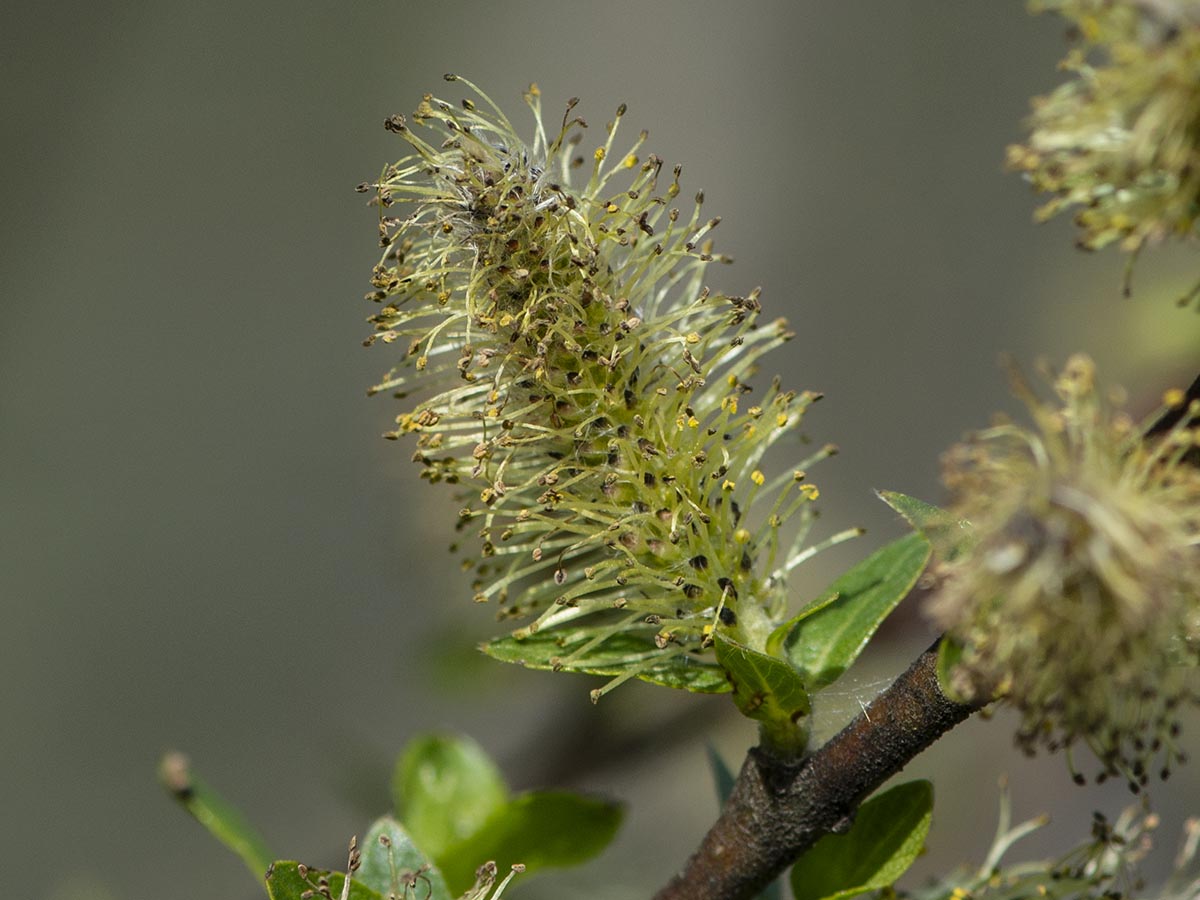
388	865
388	852
454	802
768	690
824	640
444	789
813	649
288	880
458	821
539	830
949	536
888	834
554	649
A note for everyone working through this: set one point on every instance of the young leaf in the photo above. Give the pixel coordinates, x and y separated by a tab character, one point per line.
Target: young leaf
390	860
285	882
767	689
223	822
948	535
544	829
823	645
617	654
444	789
887	836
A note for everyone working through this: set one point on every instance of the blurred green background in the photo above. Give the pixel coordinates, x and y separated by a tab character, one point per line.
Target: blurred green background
206	546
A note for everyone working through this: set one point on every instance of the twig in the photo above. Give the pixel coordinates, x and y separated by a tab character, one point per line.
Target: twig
1173	417
779	808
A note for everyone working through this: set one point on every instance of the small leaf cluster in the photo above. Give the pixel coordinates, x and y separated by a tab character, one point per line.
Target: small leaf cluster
455	828
454	802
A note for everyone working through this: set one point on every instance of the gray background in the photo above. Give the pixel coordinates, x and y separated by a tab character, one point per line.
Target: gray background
203	542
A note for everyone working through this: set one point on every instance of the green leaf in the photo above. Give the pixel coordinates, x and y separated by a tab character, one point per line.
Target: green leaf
543	829
948	535
723	777
616	655
284	882
223	821
385	865
767	689
390	866
776	639
823	645
444	789
887	836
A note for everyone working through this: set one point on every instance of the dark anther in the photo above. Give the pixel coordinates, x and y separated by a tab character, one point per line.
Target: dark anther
728	616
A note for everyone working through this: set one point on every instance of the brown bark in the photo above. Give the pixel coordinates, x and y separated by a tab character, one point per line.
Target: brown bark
1173	417
779	808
